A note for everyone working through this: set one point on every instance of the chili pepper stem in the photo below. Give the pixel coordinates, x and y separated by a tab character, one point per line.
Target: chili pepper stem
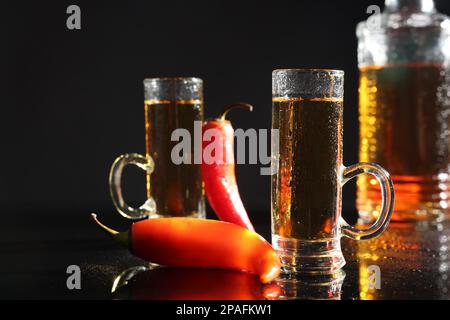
239	105
121	237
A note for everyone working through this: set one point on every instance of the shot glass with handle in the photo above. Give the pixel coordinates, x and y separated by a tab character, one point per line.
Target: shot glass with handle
174	186
309	174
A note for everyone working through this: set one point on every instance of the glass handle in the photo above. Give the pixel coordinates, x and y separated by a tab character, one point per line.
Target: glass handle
115	188
387	200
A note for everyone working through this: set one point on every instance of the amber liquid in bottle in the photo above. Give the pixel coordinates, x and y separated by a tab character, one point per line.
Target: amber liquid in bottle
176	189
404	126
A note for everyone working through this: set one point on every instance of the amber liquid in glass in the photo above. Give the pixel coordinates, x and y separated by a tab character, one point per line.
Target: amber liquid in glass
404	126
176	189
306	190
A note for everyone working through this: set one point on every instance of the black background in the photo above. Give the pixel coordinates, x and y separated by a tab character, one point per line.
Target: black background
73	99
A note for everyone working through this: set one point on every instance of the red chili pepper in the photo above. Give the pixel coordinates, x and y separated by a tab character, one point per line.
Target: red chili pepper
191	242
219	172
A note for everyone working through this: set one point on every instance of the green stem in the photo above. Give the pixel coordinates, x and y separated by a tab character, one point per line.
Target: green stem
121	237
239	105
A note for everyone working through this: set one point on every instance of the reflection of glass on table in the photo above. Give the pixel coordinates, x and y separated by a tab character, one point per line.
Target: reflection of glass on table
312	287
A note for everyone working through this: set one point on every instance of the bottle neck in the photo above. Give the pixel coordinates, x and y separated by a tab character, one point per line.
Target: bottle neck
409	6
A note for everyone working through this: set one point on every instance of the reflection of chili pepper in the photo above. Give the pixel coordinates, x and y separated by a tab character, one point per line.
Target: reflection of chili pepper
196	284
218	171
191	242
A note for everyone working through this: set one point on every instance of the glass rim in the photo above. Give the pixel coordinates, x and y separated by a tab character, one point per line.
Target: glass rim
174	79
308	83
336	72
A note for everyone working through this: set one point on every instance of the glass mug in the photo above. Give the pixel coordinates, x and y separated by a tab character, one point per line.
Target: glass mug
309	174
173	190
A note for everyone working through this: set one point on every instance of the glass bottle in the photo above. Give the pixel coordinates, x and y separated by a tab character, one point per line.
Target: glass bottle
404	108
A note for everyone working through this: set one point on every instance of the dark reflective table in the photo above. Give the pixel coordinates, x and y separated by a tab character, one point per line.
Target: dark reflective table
409	261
